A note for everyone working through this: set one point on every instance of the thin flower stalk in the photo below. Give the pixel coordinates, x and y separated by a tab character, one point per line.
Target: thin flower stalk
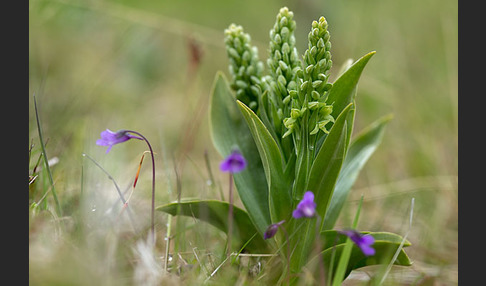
110	138
234	163
271	231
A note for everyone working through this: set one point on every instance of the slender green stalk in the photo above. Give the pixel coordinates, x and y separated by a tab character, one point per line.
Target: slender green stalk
230	214
152	214
46	162
397	252
180	226
331	265
318	243
288	253
242	248
344	259
167	243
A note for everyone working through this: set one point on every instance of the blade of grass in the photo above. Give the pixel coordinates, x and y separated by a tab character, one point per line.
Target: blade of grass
46	161
34	170
388	268
344	259
333	256
30	150
217	269
167	244
241	249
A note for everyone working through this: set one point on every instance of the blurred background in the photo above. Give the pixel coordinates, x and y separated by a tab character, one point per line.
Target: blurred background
149	66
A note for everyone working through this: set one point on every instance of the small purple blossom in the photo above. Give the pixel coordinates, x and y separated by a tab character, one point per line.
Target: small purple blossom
364	242
306	207
110	138
272	230
234	163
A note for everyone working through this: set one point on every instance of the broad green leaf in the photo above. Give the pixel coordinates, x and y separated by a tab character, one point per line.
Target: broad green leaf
343	90
386	244
216	213
360	150
229	130
279	188
327	164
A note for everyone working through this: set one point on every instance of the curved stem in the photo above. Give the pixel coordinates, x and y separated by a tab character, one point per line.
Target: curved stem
153	183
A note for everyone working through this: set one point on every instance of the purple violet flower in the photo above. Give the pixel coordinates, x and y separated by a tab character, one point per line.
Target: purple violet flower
364	242
306	207
110	138
272	230
234	163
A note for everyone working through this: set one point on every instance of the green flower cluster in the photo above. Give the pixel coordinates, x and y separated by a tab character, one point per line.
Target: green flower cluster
245	67
313	86
283	63
293	94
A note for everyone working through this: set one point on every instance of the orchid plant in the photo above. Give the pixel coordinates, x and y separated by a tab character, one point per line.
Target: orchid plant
296	160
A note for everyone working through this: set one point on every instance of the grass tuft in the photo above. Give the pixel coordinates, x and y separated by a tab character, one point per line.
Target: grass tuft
46	161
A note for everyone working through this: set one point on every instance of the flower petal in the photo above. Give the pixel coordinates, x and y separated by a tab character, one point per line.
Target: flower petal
297	213
308	196
102	142
110	138
306	207
234	163
272	230
367	250
367	239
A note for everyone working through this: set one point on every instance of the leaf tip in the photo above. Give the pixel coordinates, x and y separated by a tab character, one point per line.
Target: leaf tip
370	54
388	117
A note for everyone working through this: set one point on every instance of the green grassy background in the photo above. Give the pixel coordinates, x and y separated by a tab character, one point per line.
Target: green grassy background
126	64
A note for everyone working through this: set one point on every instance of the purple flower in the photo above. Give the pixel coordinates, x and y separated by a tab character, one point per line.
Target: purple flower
272	230
364	242
234	163
306	207
110	138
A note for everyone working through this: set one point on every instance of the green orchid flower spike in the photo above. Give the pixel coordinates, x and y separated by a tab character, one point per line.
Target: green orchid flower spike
294	128
245	67
313	87
283	64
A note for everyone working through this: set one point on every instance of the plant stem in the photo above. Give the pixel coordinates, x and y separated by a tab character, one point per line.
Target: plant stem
152	224
288	253
346	253
169	218
230	214
318	243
